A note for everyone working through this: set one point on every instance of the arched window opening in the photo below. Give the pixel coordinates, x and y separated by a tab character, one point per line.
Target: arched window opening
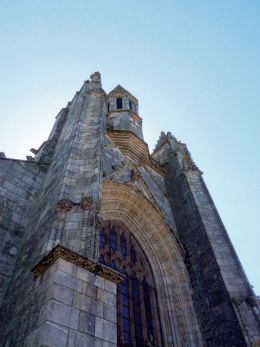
137	310
119	103
131	105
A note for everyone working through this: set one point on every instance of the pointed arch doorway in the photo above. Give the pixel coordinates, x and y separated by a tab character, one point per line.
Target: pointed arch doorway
138	323
178	320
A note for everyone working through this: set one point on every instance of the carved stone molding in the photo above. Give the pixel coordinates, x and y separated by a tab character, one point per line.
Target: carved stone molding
64	205
98	222
136	175
97	206
72	257
86	203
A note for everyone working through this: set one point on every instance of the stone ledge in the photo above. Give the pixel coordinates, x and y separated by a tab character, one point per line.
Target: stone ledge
83	262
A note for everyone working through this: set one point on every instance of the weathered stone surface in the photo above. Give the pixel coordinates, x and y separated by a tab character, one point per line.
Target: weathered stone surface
89	290
106	297
60	293
197	220
88	304
110	287
105	330
78	339
96	165
110	313
60	313
48	334
87	323
66	280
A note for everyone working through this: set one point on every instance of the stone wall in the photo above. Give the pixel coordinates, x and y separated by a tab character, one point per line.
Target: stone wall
216	276
65	210
78	308
20	183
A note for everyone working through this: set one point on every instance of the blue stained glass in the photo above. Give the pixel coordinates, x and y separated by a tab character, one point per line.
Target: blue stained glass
138	317
134	304
125	312
102	240
136	290
139	342
113	241
113	264
127	338
133	254
102	259
123	246
125	300
126	325
124	289
148	309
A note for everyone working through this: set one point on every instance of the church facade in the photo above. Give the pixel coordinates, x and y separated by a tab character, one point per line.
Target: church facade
104	244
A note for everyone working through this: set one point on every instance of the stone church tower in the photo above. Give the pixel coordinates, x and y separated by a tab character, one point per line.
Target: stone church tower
104	244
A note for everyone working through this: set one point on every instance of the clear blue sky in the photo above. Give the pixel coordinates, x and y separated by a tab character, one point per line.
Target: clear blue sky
193	65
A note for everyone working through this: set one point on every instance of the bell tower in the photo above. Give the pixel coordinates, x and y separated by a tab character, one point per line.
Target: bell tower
124	125
122	108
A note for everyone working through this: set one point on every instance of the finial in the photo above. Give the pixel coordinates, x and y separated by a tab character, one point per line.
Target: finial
95	77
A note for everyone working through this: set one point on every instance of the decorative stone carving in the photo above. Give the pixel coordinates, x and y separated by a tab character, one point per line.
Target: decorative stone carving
64	205
66	254
95	77
98	222
135	175
86	203
97	206
164	138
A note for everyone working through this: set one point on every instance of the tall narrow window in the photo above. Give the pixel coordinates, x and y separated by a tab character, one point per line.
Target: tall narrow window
119	103
131	105
137	311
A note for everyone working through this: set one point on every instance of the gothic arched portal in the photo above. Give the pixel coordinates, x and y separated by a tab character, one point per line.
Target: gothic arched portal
138	322
122	203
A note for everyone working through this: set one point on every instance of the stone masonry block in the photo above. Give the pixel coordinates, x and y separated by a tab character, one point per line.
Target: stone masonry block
106	297
78	339
110	313
85	275
108	344
89	290
88	304
64	279
110	286
48	334
60	313
100	282
60	293
65	266
105	330
87	323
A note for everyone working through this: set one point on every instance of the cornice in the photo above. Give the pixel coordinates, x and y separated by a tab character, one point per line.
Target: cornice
77	259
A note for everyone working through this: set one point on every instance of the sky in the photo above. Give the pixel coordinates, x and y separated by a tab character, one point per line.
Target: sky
193	65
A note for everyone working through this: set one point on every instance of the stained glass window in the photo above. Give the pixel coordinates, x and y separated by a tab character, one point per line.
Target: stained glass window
137	311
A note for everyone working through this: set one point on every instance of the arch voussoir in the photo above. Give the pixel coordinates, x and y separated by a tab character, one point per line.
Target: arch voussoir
178	319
